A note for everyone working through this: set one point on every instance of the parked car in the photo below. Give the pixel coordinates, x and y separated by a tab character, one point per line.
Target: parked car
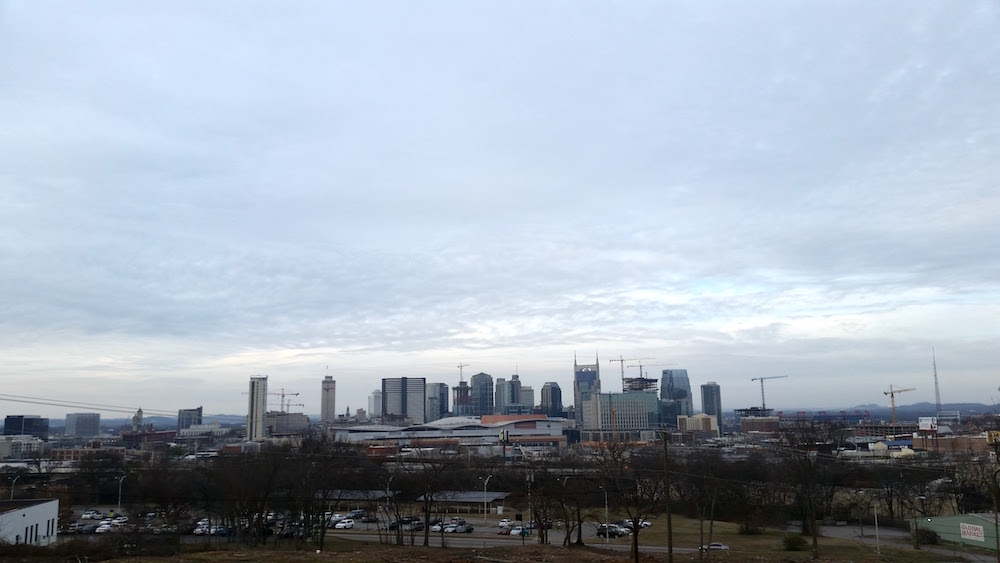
119	519
503	532
457	520
356	513
715	546
103	529
369	519
609	531
450	528
414	526
345	524
464	529
518	531
506	523
92	515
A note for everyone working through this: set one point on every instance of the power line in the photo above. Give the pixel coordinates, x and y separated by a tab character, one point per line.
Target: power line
79	404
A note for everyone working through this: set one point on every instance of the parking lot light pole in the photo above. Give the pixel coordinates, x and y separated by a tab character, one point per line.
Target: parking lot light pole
12	483
485	510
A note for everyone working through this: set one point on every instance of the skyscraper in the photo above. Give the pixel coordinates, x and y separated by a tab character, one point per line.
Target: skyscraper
375	403
586	382
186	418
328	400
26	424
502	396
711	401
83	424
482	394
404	398
527	399
552	399
462	399
676	386
257	409
437	393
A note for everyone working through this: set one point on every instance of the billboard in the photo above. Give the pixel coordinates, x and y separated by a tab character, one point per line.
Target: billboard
927	424
972	532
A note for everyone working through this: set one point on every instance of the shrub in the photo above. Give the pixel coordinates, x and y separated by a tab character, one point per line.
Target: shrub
795	542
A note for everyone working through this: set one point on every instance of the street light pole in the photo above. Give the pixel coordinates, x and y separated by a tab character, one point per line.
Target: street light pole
120	481
12	483
485	510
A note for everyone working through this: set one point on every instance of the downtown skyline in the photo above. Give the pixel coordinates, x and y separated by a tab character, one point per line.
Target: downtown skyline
191	195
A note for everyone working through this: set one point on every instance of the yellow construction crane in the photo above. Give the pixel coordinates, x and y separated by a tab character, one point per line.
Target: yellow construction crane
892	398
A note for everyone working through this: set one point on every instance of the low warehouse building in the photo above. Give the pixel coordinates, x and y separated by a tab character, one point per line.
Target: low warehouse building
33	522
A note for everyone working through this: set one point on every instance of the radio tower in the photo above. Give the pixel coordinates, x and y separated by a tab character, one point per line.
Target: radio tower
937	390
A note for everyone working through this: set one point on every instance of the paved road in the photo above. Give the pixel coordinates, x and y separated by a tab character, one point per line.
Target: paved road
494	540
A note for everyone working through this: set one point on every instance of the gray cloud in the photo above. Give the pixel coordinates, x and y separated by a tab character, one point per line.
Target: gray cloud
208	192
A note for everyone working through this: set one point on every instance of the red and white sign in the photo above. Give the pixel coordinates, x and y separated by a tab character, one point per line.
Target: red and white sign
972	532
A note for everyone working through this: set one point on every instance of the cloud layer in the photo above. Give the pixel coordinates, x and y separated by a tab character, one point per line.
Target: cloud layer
193	194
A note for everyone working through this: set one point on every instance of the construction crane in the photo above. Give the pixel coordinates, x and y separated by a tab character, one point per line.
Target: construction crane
763	405
460	368
282	394
622	361
892	399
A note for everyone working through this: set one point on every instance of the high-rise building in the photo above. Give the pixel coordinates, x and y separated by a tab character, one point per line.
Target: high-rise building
375	403
619	416
83	424
328	400
462	399
711	401
586	382
552	399
437	393
25	425
675	387
257	409
186	418
482	394
502	396
528	398
404	398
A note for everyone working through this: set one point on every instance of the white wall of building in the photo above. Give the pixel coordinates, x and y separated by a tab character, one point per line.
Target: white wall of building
34	522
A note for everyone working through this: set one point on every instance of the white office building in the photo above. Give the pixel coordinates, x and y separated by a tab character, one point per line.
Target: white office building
328	400
257	409
32	522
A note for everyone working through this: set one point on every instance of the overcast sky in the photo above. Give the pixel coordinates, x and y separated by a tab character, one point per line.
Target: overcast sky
194	193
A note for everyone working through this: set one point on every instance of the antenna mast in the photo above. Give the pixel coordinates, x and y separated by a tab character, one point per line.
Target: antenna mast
937	390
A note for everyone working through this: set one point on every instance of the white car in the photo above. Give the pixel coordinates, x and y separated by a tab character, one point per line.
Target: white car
715	546
345	524
92	515
506	523
103	528
119	520
437	527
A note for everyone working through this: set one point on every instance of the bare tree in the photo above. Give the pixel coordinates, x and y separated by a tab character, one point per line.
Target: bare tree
635	477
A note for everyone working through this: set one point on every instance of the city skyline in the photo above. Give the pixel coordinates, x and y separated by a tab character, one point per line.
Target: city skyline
193	194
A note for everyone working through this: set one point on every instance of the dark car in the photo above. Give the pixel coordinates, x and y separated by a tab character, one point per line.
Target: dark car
369	519
465	529
356	513
505	531
608	531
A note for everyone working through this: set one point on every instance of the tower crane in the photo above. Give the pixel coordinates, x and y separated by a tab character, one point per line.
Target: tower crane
763	405
622	361
892	399
282	394
460	368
